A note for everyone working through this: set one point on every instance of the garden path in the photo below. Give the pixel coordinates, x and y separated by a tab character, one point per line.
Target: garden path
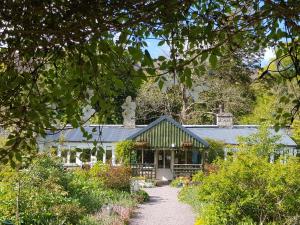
163	208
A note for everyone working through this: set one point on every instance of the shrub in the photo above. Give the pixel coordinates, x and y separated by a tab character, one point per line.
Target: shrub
102	219
123	151
99	169
89	191
198	177
215	150
248	189
41	194
200	222
141	196
210	168
115	177
180	182
190	195
49	195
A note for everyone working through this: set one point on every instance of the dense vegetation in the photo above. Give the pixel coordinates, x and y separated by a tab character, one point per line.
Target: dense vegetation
64	61
227	84
44	193
248	189
125	151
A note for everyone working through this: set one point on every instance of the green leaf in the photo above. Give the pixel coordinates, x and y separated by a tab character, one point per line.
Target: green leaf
279	110
160	84
187	77
12	163
10	142
161	43
161	58
147	59
147	54
279	53
135	53
18	156
213	60
277	127
189	82
204	56
123	37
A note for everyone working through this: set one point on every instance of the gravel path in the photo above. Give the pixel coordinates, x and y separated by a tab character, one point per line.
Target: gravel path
163	209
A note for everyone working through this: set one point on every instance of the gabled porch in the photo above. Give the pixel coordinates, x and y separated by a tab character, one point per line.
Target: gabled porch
165	149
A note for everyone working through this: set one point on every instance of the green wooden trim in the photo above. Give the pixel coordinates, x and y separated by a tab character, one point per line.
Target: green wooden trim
166	133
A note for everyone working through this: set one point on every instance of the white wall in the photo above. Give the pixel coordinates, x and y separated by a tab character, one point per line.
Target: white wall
82	145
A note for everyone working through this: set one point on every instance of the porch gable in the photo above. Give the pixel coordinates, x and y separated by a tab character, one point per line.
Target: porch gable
166	133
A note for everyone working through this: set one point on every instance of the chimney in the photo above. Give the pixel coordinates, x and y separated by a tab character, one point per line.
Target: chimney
128	113
224	119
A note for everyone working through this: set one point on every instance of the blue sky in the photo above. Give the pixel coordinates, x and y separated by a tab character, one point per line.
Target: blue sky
155	50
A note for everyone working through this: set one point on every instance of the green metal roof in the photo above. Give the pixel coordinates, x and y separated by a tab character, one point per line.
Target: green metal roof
164	132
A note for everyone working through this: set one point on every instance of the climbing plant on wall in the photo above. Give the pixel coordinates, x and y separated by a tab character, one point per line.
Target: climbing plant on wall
124	149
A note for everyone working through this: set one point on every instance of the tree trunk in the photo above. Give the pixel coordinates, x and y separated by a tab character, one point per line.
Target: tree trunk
183	113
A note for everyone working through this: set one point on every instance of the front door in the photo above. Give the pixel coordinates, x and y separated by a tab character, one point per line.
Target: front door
164	165
164	159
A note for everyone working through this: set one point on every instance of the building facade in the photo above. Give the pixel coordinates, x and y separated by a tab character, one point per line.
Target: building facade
164	148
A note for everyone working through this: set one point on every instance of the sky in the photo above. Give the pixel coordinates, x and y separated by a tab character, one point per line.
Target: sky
268	56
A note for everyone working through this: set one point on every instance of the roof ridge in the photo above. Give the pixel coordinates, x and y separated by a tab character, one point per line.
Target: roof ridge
172	121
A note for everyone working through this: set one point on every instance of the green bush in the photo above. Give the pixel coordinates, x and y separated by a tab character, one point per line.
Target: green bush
215	150
89	191
99	169
141	196
190	195
47	194
123	151
198	177
248	189
180	182
40	191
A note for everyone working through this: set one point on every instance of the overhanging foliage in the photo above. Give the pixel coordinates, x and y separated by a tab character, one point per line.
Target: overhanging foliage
58	57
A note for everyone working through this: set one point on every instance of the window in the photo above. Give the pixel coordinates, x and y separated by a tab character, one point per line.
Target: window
148	156
64	154
99	154
108	154
179	157
85	155
54	150
164	159
187	157
72	152
73	156
138	156
195	157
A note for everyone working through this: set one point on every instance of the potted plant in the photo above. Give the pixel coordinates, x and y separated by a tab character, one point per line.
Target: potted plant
187	144
141	144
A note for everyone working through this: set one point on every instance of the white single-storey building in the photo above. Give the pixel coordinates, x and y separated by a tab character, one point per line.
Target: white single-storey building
165	147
